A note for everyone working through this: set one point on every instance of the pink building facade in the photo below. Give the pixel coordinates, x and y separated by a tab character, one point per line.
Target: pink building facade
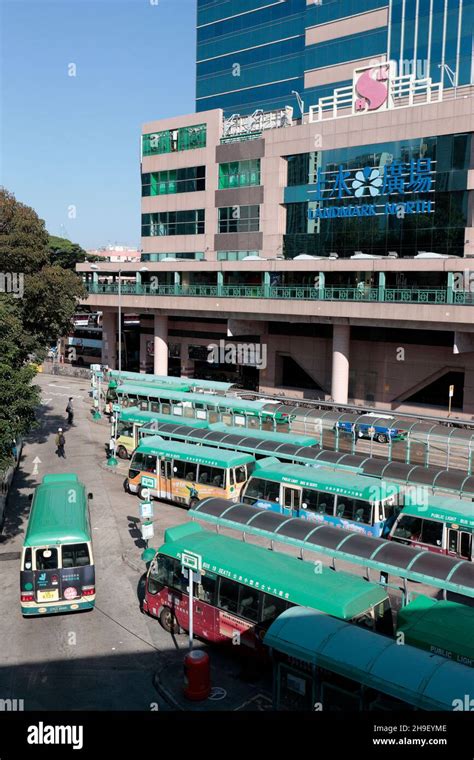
342	246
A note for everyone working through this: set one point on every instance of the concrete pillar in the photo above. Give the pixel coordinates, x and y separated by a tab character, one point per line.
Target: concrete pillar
161	344
450	288
340	363
381	286
109	339
321	285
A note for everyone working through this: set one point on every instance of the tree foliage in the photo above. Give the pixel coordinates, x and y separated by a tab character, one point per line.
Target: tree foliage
18	396
38	317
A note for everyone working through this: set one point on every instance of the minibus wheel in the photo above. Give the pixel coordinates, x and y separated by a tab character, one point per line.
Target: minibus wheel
122	452
168	620
140	493
381	438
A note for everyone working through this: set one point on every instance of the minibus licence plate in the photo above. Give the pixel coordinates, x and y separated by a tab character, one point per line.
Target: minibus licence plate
48	596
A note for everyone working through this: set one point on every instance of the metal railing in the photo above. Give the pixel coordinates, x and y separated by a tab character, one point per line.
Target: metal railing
294	292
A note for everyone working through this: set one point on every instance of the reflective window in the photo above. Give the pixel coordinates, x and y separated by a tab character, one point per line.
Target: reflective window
239	219
212	476
266	490
47	559
184	470
75	555
317	501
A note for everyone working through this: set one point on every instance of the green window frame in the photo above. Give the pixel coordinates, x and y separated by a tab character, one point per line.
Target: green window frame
239	174
172	140
188	180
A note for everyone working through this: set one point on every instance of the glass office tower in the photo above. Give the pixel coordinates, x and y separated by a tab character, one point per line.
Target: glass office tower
253	54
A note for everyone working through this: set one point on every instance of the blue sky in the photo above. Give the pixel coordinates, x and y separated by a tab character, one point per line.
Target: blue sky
74	141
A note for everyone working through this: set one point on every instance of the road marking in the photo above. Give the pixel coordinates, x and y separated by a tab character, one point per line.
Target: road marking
36	462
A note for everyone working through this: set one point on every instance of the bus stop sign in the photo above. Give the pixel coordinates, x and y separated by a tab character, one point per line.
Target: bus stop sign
191	561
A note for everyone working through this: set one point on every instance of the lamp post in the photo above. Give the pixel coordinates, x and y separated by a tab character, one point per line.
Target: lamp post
97	269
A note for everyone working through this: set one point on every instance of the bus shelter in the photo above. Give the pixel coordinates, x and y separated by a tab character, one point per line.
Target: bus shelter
321	663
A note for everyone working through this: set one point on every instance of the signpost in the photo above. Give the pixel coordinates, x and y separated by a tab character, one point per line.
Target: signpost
146	516
192	563
97	414
451	394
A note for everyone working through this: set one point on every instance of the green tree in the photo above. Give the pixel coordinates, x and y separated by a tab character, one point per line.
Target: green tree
51	290
18	395
64	253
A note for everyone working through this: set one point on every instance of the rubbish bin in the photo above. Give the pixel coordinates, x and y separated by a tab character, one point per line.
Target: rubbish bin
197	675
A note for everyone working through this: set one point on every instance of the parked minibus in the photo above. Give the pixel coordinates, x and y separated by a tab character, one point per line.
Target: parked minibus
57	564
135	424
444	525
440	626
343	499
184	474
204	406
243	588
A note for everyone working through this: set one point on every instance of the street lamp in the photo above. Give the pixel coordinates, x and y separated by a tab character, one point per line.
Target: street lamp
300	103
96	268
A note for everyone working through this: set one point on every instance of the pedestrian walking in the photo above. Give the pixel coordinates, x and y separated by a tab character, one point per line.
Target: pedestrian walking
60	444
70	411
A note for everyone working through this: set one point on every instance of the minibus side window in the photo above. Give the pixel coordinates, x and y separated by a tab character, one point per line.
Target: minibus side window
27	561
212	476
48	562
75	555
354	509
184	470
240	474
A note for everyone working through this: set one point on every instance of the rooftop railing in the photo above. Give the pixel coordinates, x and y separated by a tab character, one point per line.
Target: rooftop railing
302	292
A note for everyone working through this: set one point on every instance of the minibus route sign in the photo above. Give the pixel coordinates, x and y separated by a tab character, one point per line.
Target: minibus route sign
191	561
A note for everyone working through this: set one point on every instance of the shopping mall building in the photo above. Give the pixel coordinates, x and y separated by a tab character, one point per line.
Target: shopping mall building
320	244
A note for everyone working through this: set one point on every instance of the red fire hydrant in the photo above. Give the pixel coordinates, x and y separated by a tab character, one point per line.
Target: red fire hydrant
197	675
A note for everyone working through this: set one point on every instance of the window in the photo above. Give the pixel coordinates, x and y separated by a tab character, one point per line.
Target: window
239	219
239	174
206	590
348	508
76	555
172	140
409	528
149	463
184	470
248	603
432	532
172	181
46	559
173	223
272	606
125	429
228	595
211	476
317	501
465	548
258	488
240	474
166	571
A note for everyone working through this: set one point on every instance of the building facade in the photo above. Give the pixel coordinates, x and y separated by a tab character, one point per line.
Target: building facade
330	255
252	54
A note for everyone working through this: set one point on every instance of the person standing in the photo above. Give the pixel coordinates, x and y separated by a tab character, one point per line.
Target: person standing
70	411
60	444
112	446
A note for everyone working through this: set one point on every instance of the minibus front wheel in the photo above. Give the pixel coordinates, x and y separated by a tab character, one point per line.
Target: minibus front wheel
168	620
122	452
